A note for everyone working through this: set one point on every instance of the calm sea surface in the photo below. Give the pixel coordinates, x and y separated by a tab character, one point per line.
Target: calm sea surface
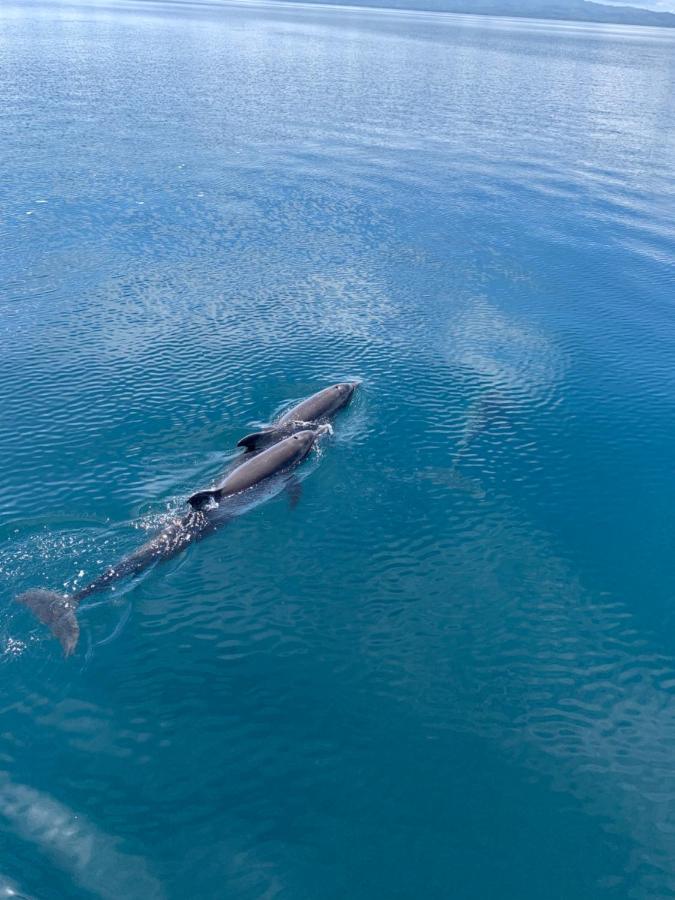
450	671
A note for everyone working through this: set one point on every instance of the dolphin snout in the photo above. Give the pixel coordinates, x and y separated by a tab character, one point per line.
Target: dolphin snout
348	387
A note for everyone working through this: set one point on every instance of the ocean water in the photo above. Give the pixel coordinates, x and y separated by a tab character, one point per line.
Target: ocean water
450	670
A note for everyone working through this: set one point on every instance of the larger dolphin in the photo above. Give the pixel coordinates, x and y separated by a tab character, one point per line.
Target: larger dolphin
313	411
208	510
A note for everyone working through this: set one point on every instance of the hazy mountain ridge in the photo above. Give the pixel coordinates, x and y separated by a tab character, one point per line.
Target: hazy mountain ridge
575	10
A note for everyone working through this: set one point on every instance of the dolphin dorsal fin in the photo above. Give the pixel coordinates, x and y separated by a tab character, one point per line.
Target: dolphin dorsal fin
202	498
259	439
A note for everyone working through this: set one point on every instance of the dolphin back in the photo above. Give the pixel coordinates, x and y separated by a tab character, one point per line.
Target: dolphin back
317	407
281	455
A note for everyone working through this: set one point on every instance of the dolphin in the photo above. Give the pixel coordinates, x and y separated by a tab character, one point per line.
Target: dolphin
91	857
484	412
315	410
10	890
208	510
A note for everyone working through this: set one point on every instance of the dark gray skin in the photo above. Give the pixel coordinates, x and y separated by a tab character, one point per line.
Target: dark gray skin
277	458
209	510
315	410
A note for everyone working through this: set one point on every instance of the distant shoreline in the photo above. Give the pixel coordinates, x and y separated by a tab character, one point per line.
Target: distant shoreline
584	11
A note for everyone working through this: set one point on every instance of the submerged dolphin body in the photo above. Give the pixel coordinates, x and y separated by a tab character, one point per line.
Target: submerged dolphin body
209	509
91	857
10	889
315	410
483	413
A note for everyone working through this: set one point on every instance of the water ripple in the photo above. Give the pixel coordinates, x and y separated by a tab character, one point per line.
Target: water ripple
452	663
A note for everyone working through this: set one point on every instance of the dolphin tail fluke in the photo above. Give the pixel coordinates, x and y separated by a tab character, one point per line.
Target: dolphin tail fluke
58	612
471	486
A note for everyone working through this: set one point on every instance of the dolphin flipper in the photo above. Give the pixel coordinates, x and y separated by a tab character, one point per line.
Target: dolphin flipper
58	612
294	491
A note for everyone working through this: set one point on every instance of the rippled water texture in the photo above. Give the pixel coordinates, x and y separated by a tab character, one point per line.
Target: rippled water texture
450	670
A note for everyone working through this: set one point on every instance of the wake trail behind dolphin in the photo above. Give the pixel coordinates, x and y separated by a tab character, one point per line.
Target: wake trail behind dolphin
58	611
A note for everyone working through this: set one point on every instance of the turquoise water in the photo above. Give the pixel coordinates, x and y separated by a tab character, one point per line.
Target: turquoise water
450	670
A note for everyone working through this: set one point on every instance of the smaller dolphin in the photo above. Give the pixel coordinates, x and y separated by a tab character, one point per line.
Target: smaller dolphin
315	410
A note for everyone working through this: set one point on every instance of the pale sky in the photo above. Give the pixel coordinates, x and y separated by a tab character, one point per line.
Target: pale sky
658	5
